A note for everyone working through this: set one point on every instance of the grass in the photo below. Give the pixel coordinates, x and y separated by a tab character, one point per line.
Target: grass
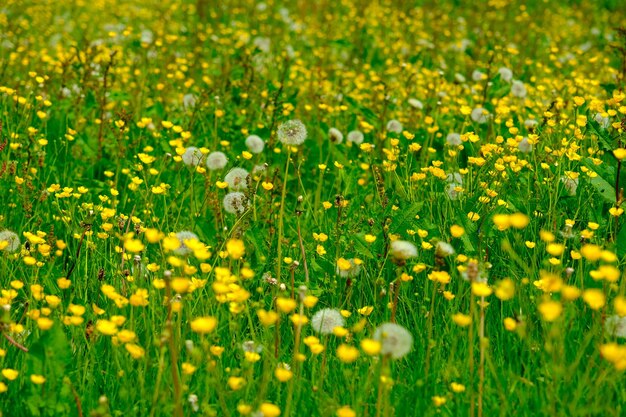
500	250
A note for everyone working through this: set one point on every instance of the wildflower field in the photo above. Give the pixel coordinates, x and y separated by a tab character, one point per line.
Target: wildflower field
312	208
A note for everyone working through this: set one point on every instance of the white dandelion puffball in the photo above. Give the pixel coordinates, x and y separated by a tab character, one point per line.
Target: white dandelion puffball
396	340
455	177
453	139
416	104
525	146
603	121
216	161
325	320
394	126
189	101
353	271
402	249
444	249
480	115
192	156
452	191
185	236
478	75
530	123
570	184
147	36
292	132
506	74
259	169
237	179
251	346
355	137
616	326
335	135
12	239
235	202
481	275
255	144
518	89
262	43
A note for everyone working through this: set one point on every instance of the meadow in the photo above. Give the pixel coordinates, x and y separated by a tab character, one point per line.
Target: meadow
312	208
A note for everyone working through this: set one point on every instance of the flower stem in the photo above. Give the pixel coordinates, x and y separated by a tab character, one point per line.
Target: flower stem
481	365
280	219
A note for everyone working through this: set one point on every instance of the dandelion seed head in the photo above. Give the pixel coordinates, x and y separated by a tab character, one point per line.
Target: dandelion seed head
603	121
192	156
356	137
182	236
530	123
480	115
335	135
396	340
252	346
478	75
451	191
193	401
324	321
259	169
353	271
455	177
237	179
403	250
506	74
570	185
453	139
189	101
292	132
12	239
216	161
255	144
518	89
444	249
616	326
525	146
394	126
475	273
262	43
235	202
415	103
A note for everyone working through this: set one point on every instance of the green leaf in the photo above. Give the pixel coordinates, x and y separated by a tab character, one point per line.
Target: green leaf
361	248
603	188
603	139
369	114
404	219
620	242
53	350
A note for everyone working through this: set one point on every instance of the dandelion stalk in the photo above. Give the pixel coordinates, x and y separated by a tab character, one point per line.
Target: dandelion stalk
429	330
169	330
318	191
157	385
276	337
324	358
302	252
15	343
79	407
396	295
471	357
281	214
618	190
296	352
381	385
481	365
